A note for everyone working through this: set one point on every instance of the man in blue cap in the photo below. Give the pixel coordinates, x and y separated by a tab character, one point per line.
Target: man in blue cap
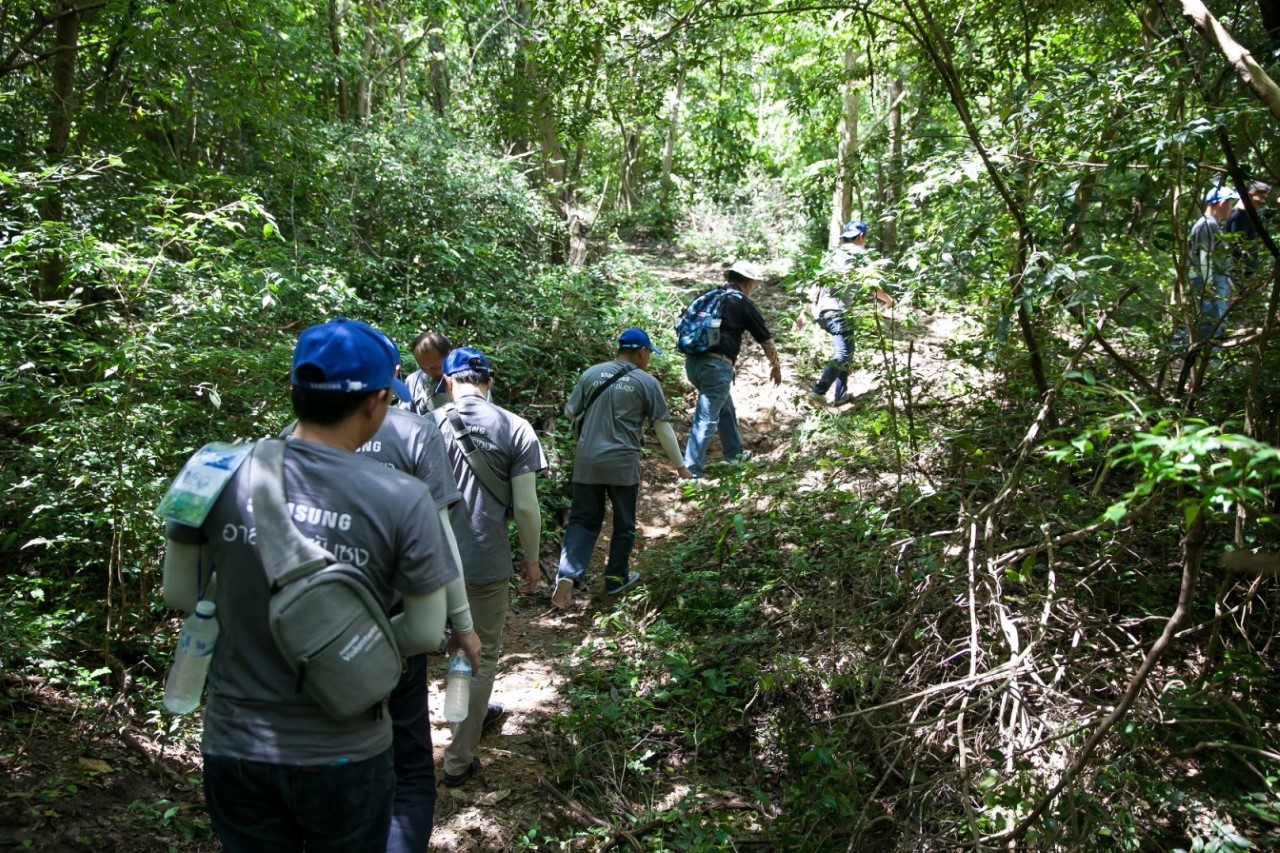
279	773
609	406
1210	261
828	299
495	457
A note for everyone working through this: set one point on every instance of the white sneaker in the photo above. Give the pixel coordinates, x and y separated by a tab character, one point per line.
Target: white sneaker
563	595
633	578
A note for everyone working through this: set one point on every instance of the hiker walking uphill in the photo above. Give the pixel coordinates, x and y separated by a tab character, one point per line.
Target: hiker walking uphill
1210	264
709	364
414	445
611	403
281	773
495	457
828	300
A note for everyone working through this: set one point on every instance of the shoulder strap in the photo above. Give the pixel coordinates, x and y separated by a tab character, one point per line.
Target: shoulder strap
286	554
595	395
499	488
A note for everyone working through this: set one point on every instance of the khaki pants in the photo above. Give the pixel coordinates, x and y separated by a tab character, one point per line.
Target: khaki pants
488	613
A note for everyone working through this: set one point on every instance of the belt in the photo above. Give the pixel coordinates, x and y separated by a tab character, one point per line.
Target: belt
717	355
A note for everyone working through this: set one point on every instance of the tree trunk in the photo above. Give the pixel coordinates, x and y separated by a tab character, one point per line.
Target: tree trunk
437	71
939	50
364	83
1246	67
842	196
889	234
627	191
669	146
66	44
335	47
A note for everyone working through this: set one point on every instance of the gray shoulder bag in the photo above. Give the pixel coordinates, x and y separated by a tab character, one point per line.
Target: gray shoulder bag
324	616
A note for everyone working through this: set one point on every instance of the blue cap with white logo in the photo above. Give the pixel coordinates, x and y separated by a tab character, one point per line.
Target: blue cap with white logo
1220	194
854	229
635	338
349	356
461	359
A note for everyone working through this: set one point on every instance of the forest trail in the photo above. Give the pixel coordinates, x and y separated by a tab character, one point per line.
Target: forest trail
100	771
514	789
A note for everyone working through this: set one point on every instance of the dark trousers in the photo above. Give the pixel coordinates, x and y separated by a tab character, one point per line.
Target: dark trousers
414	808
586	517
257	807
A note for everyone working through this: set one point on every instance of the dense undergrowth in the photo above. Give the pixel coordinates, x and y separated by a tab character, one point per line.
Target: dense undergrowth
901	629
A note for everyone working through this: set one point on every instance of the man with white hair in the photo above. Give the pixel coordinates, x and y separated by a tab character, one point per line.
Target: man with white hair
711	372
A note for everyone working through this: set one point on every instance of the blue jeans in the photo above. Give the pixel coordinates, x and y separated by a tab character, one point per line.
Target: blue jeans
257	807
586	517
837	370
413	810
1211	309
714	411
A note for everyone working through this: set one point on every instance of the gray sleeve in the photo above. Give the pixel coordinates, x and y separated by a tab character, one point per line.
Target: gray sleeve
655	400
433	466
424	561
527	456
574	405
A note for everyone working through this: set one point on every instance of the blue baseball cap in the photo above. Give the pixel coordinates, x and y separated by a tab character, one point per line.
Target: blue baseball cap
1220	194
461	359
352	357
634	338
854	229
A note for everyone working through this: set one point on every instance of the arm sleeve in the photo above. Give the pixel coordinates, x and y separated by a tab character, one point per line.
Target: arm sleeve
524	497
180	579
667	436
574	405
459	609
420	628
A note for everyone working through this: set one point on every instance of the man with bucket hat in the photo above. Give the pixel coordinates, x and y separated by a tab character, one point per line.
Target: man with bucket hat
712	372
279	772
610	405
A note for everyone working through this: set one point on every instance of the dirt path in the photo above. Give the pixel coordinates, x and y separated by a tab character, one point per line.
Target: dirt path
513	791
78	777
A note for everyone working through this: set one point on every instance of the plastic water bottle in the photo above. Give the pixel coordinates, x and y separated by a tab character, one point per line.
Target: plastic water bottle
457	688
185	683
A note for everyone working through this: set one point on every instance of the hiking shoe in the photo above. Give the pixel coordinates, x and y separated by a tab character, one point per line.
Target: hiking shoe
452	781
494	717
563	595
816	399
633	578
843	401
744	456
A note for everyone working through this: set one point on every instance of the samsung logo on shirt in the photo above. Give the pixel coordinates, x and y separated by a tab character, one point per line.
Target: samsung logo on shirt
303	514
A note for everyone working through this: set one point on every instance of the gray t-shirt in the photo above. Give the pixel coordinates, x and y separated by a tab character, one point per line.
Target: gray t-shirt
381	521
838	267
414	445
613	430
428	394
479	520
1207	256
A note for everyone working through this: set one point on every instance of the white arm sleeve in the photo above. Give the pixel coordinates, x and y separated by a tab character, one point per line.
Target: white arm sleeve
667	436
524	497
459	609
420	628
